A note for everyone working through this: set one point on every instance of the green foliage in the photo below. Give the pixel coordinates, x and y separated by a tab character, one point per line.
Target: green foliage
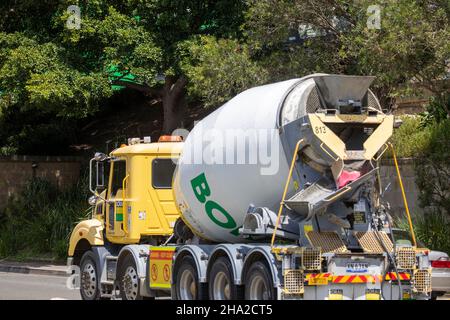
40	219
175	21
430	229
35	76
334	38
62	73
411	43
437	110
433	170
219	69
411	139
430	146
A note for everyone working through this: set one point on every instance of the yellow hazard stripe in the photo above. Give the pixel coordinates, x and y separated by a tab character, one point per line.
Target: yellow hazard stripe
357	278
317	275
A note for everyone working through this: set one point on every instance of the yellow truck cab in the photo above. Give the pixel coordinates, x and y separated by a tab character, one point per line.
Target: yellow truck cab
136	206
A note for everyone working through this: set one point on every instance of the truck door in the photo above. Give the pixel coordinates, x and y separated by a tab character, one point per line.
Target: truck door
162	175
115	208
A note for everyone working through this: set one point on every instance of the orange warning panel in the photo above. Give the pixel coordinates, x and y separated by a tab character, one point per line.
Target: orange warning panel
369	278
160	265
315	278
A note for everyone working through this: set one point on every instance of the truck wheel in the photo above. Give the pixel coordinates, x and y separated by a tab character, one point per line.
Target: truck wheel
187	285
221	281
89	278
259	283
129	279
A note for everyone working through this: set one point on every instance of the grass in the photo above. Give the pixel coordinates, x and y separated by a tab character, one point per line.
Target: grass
39	221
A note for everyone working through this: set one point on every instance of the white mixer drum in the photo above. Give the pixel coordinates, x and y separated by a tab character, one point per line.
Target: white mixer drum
234	158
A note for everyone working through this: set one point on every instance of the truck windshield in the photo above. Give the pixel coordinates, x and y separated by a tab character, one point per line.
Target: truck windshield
162	173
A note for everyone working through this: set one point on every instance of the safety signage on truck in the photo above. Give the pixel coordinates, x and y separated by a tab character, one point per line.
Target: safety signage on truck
160	264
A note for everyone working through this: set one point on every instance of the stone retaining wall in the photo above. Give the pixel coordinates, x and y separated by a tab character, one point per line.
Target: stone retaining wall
15	171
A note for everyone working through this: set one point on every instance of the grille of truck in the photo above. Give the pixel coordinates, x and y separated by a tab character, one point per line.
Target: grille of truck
421	281
406	258
294	281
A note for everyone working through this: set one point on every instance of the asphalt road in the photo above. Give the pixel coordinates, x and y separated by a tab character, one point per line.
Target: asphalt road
16	286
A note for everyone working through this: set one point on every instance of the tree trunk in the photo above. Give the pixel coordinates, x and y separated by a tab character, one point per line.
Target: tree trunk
174	104
173	99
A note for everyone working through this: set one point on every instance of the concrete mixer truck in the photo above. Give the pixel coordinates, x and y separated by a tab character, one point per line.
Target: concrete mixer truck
275	195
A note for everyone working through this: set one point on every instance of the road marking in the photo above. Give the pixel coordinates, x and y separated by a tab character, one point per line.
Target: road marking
57	298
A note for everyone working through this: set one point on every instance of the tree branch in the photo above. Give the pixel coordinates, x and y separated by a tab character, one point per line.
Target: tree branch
147	90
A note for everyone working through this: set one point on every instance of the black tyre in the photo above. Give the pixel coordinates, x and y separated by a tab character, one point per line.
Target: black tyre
436	294
89	277
259	283
221	281
128	278
187	285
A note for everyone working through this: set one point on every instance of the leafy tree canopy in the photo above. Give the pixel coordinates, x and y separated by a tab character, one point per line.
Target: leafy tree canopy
334	37
219	69
214	49
63	72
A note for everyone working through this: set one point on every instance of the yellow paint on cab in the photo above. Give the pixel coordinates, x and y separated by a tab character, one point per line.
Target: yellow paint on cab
138	209
91	230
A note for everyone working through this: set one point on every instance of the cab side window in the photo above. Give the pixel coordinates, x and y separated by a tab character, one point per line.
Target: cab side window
162	173
119	173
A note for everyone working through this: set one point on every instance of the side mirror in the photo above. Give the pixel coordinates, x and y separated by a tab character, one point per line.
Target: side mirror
99	156
99	159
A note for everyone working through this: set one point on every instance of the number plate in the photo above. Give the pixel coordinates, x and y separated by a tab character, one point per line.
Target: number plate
318	281
357	267
373	294
406	295
336	294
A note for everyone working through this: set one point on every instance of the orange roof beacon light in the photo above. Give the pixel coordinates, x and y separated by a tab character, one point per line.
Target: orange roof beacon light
170	139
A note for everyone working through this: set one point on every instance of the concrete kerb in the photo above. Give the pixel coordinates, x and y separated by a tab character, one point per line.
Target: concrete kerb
34	268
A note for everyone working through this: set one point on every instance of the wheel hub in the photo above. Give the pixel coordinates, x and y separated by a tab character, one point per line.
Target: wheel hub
89	280
258	289
130	283
221	287
188	286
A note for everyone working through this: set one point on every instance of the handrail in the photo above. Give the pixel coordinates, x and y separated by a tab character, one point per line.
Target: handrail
291	169
408	215
340	193
381	154
125	211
